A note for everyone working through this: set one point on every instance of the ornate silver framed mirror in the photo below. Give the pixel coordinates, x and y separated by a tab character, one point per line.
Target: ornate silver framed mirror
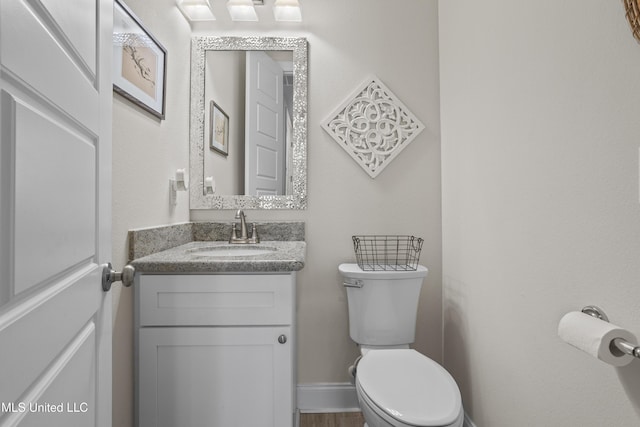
208	161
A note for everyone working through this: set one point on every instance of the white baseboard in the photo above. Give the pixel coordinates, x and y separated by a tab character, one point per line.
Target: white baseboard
327	397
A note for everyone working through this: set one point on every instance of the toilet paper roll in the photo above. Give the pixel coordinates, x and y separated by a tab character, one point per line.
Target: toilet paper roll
594	337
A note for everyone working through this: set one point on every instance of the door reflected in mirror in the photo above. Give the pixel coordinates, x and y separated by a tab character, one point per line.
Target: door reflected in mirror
254	91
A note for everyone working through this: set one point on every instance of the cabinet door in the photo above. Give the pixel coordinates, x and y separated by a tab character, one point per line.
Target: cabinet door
215	377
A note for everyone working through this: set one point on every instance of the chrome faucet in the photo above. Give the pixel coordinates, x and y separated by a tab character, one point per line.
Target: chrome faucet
244	235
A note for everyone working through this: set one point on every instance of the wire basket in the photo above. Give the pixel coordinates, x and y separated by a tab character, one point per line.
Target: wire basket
383	252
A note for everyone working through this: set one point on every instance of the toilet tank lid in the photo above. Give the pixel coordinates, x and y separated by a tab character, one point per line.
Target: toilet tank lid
355	272
409	387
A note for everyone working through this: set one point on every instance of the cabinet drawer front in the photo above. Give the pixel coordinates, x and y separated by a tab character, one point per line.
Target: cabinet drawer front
200	300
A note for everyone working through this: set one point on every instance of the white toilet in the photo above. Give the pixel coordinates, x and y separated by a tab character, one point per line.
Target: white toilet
396	386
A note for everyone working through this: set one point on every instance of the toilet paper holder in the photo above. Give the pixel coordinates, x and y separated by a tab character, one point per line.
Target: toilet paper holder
618	346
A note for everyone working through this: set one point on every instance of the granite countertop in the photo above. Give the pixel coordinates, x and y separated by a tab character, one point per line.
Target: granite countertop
288	256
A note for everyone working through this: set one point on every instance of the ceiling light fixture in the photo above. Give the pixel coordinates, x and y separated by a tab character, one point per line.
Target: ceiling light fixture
287	10
242	10
196	10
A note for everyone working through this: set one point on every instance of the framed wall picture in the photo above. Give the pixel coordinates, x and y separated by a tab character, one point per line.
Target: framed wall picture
218	129
139	62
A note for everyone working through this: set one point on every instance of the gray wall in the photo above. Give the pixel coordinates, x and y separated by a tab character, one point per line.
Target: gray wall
541	213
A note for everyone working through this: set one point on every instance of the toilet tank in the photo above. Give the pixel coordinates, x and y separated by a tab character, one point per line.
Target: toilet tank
382	304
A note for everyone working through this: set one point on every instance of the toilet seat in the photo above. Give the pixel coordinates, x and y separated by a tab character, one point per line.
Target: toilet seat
410	388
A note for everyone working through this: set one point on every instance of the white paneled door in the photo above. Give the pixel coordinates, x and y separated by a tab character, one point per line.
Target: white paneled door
264	123
55	212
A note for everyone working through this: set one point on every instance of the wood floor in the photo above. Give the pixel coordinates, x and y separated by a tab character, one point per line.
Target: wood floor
343	419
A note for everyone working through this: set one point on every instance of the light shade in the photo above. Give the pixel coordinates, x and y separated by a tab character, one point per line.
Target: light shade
242	10
287	10
196	10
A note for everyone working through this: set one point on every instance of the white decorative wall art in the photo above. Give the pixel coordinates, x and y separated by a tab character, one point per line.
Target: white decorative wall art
373	126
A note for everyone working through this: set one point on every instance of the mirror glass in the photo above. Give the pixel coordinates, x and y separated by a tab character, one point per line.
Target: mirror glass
248	133
249	121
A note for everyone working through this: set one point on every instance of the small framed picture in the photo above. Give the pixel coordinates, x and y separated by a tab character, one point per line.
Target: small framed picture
139	62
218	129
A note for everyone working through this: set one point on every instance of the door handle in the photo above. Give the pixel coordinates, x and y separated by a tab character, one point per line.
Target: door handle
109	275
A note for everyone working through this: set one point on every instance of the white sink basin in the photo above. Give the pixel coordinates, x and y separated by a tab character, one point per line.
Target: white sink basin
232	251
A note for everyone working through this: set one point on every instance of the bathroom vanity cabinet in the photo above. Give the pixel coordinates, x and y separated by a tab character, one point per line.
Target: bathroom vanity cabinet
215	349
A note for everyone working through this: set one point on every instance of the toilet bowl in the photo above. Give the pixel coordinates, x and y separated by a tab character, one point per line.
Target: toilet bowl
403	388
396	386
